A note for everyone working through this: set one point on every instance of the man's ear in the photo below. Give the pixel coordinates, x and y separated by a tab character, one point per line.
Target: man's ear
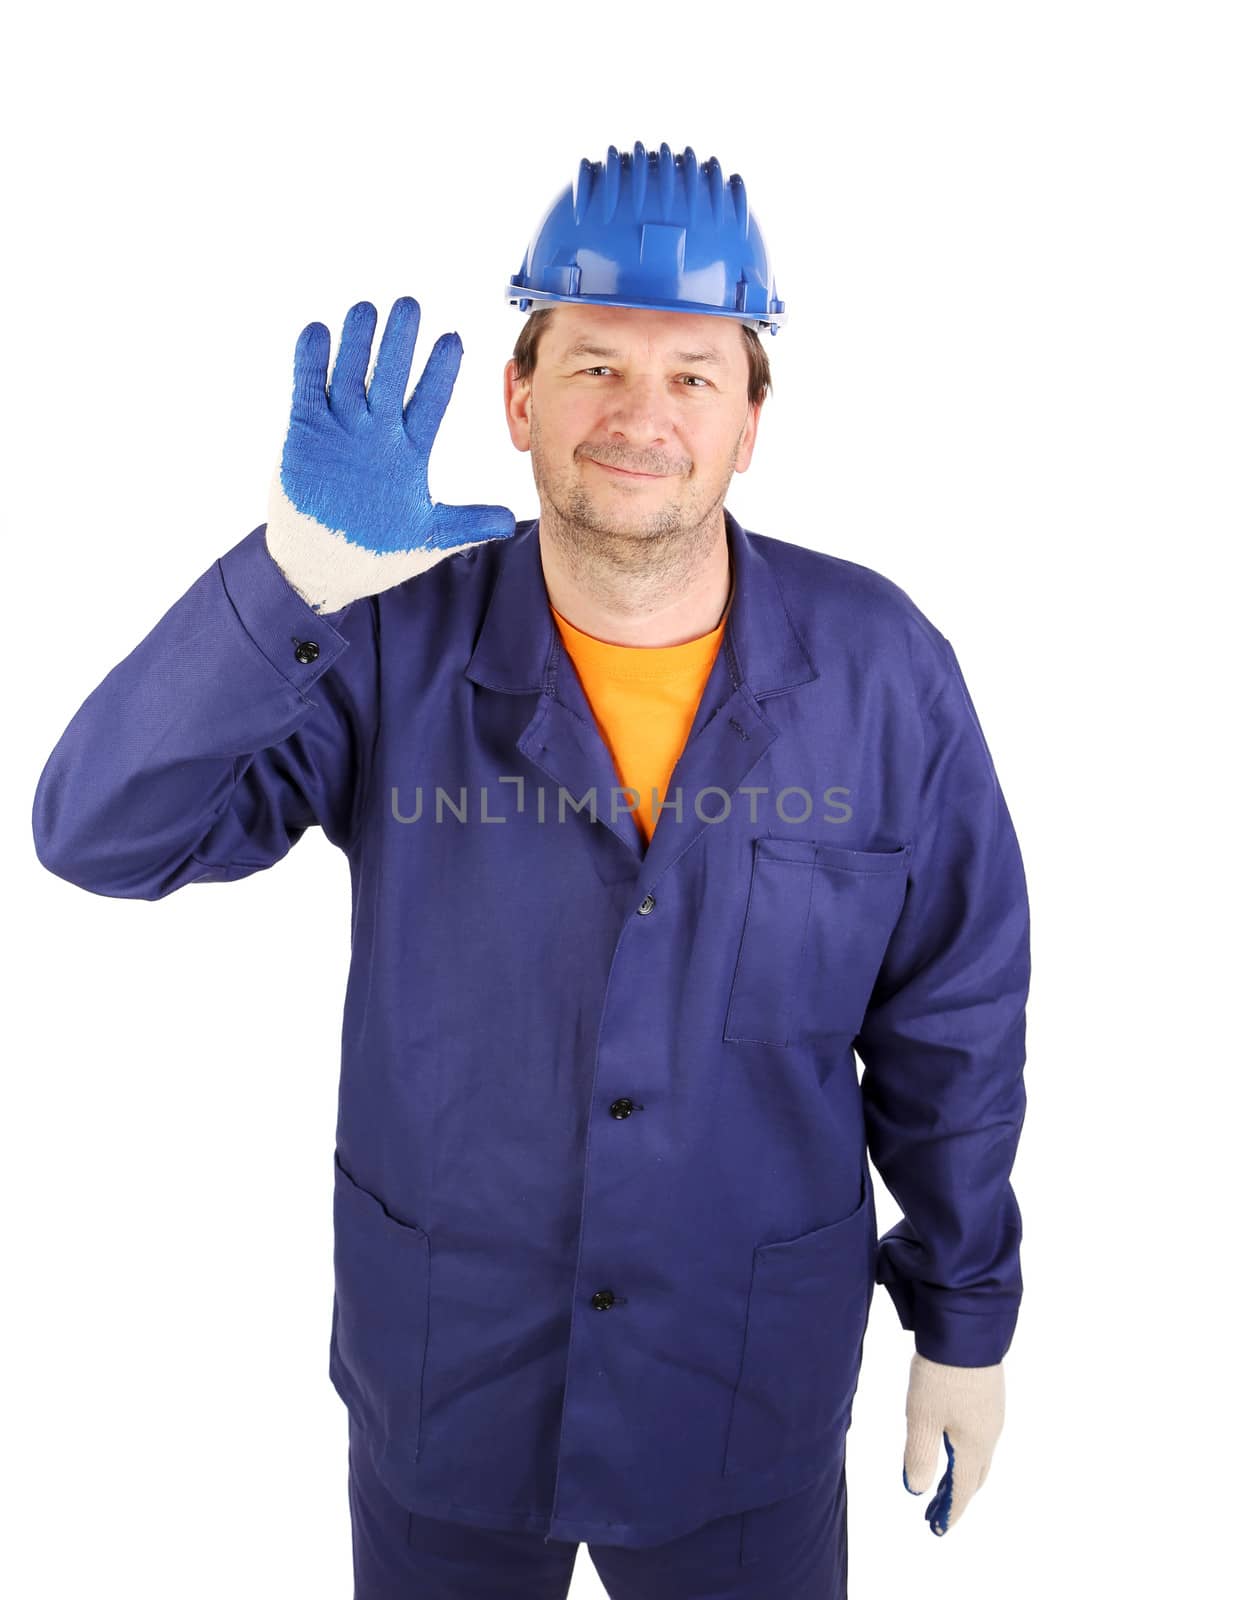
746	447
518	398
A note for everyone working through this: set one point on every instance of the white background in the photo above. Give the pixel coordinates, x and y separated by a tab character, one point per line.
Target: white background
1003	235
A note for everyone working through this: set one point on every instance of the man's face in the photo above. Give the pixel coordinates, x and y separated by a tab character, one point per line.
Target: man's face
658	396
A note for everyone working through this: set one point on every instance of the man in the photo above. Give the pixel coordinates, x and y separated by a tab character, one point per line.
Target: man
655	826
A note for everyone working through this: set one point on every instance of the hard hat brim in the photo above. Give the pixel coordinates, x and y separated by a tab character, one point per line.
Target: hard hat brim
515	294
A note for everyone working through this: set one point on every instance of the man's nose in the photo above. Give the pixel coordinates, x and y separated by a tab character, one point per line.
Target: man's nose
641	411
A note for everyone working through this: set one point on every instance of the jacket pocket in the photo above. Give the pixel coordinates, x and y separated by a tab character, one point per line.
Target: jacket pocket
380	1324
818	920
810	1300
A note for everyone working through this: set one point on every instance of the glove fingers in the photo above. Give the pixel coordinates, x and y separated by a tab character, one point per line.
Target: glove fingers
921	1452
967	1469
388	384
940	1512
456	525
423	414
351	366
309	386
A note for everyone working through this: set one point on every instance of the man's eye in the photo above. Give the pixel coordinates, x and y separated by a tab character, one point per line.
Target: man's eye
693	376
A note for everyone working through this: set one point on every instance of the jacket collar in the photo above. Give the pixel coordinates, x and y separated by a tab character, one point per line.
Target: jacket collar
519	649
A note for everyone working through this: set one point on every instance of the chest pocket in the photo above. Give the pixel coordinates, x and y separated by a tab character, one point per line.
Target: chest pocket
818	920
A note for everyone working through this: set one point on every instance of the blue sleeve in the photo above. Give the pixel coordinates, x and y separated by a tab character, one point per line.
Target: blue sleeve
239	721
943	1047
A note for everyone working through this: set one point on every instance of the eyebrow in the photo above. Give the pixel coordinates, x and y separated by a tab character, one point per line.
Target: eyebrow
691	357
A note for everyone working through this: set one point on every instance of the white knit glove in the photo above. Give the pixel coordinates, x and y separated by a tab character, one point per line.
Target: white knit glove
349	511
966	1406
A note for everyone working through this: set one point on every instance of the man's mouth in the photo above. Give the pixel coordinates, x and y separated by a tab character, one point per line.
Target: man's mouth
647	477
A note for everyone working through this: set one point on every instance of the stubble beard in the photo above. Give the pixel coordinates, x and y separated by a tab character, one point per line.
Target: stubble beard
654	541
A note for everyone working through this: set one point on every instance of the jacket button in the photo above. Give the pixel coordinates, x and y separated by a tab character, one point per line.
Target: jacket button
603	1299
622	1108
306	651
646	904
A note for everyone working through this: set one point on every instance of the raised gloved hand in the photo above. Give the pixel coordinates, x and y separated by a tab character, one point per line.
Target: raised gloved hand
966	1406
349	510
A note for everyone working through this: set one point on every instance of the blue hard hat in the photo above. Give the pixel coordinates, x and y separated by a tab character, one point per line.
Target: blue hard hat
648	228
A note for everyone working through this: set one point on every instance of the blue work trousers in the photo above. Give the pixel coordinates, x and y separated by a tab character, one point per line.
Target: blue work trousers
792	1549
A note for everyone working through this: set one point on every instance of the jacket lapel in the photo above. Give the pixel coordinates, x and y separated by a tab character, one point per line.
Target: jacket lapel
519	651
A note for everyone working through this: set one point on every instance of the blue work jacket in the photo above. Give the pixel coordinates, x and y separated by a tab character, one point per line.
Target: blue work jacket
605	1239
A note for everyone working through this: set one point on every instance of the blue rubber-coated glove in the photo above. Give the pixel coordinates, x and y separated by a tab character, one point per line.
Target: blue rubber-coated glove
349	510
966	1406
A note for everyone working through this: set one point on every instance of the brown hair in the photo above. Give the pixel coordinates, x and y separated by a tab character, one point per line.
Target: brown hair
759	382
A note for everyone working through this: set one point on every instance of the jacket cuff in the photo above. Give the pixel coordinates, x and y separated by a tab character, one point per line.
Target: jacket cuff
299	643
957	1330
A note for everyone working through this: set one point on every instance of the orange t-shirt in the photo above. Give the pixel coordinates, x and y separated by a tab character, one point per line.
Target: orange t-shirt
644	699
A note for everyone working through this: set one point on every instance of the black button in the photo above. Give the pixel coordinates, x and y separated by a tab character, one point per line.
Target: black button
603	1299
622	1108
646	904
306	651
